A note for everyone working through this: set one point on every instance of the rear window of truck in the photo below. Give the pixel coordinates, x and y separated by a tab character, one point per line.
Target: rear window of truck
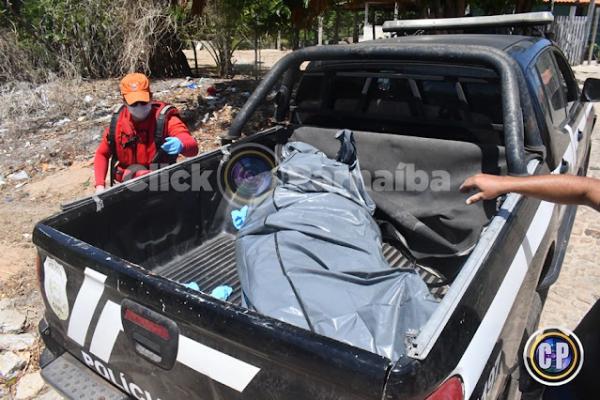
468	102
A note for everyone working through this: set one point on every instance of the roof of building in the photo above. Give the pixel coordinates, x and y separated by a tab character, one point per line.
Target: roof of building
573	2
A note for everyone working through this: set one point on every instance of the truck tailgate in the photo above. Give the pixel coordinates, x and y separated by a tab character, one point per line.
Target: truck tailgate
152	338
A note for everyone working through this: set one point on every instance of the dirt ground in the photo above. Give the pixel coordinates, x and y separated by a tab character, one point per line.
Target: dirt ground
54	145
244	58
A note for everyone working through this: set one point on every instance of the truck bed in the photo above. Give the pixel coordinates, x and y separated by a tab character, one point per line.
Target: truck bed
213	264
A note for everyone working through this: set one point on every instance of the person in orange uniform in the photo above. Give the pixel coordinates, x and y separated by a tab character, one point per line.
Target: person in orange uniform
141	133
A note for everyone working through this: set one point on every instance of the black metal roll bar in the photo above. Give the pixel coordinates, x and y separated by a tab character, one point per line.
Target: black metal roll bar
477	55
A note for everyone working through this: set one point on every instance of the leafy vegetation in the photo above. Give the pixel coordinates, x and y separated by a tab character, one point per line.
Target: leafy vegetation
107	38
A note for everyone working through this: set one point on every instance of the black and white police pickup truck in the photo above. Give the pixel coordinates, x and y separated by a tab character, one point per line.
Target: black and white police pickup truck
121	320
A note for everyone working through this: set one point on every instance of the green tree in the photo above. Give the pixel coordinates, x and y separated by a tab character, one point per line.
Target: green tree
263	17
221	28
95	38
303	14
491	7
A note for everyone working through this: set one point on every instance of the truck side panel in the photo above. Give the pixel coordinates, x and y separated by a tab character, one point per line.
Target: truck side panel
477	331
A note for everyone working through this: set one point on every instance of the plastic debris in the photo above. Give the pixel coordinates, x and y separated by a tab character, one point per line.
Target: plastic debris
61	122
238	217
193	286
192	85
222	292
88	98
206	117
18	176
211	91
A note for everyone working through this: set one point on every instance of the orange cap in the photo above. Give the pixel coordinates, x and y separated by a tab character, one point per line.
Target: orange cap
135	87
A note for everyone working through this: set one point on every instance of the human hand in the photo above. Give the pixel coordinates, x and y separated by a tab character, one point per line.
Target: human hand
488	186
99	189
172	146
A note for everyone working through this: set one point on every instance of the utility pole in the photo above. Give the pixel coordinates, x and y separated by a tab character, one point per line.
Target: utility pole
278	44
593	38
588	23
320	32
366	21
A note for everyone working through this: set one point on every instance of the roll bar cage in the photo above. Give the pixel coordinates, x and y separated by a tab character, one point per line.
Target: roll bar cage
511	78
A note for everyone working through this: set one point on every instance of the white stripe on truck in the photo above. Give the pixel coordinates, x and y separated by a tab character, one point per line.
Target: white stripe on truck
221	367
85	305
473	361
107	329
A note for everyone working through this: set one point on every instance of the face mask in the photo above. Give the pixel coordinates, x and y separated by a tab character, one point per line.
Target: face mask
140	112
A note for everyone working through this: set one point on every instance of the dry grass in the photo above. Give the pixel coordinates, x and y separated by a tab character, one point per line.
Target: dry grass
16	62
97	39
146	23
27	106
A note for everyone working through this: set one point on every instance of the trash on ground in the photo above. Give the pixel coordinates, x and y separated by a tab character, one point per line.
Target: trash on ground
61	122
18	176
211	91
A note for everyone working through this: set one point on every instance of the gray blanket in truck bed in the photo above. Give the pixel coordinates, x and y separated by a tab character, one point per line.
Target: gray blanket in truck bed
310	254
436	222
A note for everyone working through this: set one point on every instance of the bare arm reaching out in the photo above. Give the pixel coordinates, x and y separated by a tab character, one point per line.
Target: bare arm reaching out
564	189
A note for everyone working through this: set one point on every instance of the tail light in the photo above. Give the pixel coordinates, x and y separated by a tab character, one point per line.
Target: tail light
149	326
452	389
154	336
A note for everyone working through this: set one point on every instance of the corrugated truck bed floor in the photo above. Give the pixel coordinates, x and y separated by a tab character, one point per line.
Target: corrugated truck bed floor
213	264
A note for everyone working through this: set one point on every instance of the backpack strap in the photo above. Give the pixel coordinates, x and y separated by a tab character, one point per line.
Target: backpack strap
159	134
112	143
